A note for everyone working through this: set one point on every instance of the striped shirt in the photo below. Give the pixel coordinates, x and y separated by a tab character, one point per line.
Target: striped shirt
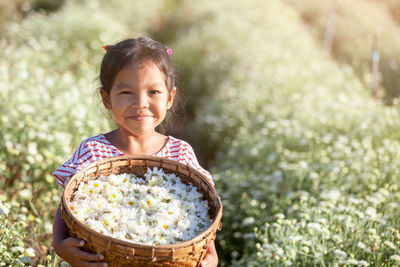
98	147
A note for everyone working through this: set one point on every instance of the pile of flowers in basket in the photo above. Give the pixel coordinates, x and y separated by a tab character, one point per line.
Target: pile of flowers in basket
157	209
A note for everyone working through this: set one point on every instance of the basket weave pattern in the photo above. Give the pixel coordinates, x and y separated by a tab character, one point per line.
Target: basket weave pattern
121	253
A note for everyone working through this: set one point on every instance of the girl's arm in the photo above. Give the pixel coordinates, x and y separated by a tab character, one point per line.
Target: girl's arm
68	248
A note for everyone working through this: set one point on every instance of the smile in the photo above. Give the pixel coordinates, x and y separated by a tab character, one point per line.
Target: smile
139	117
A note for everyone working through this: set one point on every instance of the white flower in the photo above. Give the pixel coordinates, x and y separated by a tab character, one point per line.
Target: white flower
395	258
337	239
340	254
362	263
25	194
29	252
351	262
371	231
295	238
371	212
390	244
156	209
333	195
314	227
3	209
361	245
248	221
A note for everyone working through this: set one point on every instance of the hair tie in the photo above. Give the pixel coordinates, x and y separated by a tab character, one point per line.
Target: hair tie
105	47
169	51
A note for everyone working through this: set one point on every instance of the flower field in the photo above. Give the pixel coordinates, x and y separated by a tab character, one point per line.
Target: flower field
305	161
354	33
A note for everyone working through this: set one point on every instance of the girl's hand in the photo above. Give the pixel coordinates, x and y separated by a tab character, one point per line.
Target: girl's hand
211	258
70	250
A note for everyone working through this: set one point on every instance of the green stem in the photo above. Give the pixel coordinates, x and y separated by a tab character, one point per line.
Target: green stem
33	208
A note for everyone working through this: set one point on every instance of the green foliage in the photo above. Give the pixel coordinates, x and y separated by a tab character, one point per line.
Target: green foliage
49	104
16	243
306	162
292	129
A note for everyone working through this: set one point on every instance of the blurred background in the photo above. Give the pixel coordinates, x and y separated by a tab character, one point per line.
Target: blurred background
291	105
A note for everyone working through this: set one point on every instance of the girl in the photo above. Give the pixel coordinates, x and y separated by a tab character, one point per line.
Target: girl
138	86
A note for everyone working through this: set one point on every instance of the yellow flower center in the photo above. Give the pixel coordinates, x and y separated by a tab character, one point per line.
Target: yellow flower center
130	202
96	185
165	226
148	202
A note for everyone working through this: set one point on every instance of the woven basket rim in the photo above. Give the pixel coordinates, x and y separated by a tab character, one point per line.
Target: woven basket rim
216	224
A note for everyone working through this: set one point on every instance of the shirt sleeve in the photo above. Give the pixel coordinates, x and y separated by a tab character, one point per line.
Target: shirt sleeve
81	158
188	157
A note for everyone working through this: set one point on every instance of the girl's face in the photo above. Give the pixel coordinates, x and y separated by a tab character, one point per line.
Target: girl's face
139	98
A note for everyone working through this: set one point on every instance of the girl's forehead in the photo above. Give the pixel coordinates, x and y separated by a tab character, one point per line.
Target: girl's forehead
142	64
144	72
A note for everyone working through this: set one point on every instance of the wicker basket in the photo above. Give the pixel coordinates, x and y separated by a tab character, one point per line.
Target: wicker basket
122	253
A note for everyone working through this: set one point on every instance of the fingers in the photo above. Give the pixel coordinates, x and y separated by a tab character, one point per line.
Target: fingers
86	256
74	242
89	258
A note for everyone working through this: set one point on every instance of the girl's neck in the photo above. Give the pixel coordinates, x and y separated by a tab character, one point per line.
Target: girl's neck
148	144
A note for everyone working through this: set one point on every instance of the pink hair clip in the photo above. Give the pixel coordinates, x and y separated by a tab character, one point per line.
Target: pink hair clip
169	51
105	47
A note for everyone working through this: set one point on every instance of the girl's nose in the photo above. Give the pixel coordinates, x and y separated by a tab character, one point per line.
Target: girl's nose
142	101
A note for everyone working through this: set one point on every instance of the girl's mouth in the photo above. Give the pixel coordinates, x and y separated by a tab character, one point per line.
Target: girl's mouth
139	117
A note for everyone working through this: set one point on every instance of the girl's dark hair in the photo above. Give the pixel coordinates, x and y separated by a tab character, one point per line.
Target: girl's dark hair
139	50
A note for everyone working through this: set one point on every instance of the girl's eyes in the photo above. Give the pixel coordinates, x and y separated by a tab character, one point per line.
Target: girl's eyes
125	92
154	92
128	92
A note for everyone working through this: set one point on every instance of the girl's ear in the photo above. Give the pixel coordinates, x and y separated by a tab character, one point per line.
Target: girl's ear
106	99
171	97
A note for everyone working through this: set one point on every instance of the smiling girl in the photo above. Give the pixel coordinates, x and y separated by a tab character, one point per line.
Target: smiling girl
138	87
